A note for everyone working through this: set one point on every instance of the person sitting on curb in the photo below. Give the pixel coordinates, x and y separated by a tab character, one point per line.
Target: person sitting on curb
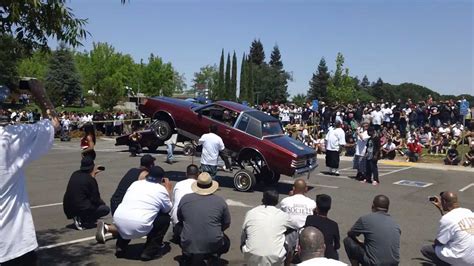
454	244
414	151
143	212
452	156
469	157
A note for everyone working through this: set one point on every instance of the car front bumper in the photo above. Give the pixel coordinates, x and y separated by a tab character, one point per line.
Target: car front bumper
305	170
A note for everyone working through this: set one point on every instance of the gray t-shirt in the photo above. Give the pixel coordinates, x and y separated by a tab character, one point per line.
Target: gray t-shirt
381	238
202	218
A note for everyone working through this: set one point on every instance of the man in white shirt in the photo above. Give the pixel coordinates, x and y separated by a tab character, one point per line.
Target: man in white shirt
387	112
21	144
377	117
311	249
388	150
454	244
212	145
142	212
180	189
359	161
263	232
297	205
335	140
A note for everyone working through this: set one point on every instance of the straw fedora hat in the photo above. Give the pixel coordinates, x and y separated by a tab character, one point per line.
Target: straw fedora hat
204	185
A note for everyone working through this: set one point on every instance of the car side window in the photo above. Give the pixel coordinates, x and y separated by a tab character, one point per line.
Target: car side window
244	121
254	128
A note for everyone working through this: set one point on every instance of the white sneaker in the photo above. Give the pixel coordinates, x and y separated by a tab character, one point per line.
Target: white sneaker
78	223
100	233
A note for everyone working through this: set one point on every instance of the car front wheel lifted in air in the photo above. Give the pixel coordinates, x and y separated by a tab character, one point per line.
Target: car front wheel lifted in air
244	180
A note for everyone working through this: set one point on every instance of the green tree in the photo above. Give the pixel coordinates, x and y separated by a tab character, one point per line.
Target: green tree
10	52
337	79
227	91
233	79
35	65
32	22
376	89
179	82
243	96
299	99
275	58
220	85
158	77
209	77
257	54
365	83
62	79
318	85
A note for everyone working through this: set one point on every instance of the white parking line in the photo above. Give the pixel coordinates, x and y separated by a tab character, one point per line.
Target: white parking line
396	171
341	176
70	242
46	205
466	187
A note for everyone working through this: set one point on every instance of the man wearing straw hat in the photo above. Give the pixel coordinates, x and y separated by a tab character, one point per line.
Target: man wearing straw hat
205	216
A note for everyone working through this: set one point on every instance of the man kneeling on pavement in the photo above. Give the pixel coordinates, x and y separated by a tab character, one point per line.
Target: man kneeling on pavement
143	212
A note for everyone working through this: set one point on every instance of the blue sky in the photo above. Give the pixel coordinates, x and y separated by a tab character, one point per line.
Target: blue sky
424	42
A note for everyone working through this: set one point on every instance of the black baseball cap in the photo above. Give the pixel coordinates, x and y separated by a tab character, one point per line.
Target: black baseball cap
155	174
87	164
147	160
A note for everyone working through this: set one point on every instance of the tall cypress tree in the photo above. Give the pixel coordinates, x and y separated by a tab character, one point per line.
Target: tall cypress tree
227	94
250	83
243	80
279	82
220	83
257	54
233	79
318	85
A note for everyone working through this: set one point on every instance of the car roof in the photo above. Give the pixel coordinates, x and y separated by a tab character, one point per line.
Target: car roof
261	116
237	107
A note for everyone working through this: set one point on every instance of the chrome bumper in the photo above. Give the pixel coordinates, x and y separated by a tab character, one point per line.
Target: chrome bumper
305	170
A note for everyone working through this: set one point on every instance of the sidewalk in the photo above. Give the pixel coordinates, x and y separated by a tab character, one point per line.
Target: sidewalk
420	165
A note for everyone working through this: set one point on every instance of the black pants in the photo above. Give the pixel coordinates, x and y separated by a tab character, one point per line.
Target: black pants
91	216
224	248
372	170
28	259
429	252
226	157
355	251
389	155
332	159
154	239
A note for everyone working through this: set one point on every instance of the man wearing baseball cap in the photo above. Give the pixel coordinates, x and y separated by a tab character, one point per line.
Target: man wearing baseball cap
134	174
143	212
205	216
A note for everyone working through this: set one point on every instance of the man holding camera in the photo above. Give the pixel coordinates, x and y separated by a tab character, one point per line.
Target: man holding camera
454	244
21	144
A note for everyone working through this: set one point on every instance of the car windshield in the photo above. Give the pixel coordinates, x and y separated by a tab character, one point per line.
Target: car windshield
271	128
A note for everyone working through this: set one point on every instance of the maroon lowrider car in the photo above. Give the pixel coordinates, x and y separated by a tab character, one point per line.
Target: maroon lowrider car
255	139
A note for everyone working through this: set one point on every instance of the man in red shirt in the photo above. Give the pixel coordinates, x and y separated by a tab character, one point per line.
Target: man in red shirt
414	151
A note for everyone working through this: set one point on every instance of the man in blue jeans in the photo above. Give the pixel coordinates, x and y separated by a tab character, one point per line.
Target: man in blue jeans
212	144
170	144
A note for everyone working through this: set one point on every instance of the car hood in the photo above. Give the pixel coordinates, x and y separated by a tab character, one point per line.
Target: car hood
292	145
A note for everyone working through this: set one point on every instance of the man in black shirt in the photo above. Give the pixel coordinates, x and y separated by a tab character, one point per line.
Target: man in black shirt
134	174
82	201
328	227
452	156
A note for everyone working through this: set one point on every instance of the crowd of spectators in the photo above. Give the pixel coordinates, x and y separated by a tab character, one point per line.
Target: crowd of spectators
405	129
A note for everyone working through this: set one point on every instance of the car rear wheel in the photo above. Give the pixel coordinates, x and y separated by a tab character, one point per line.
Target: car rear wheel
244	180
162	130
188	150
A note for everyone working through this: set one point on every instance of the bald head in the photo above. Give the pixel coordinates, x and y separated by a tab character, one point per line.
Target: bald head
311	242
299	187
381	203
449	200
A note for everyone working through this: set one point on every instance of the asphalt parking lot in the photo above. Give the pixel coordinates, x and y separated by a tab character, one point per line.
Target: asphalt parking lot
407	186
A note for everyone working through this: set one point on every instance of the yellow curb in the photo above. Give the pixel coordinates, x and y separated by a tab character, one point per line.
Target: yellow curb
397	163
